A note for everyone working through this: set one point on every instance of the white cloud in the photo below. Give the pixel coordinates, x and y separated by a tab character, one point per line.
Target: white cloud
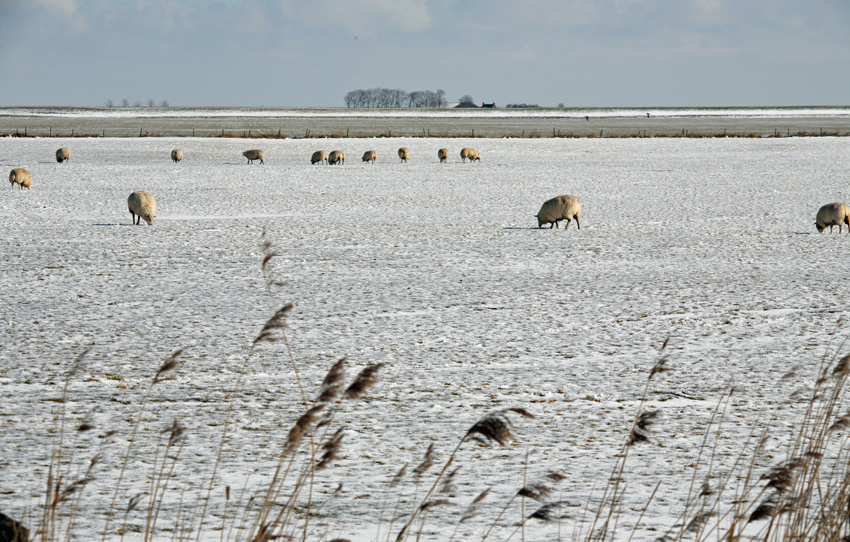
67	10
363	17
60	7
708	8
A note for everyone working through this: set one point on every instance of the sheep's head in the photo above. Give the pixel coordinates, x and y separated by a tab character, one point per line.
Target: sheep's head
819	227
149	219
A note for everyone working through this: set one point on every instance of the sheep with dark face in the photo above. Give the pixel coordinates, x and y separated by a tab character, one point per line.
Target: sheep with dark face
21	177
142	206
443	155
336	157
557	209
319	157
833	214
370	156
472	154
63	154
254	154
404	154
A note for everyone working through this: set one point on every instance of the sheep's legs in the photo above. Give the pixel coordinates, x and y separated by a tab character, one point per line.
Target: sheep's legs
578	224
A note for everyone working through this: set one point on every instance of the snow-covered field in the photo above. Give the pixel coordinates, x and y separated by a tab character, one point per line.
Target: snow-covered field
436	270
450	112
415	122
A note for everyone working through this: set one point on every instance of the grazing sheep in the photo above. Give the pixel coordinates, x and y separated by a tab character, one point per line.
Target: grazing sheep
254	154
370	156
472	154
557	209
21	177
319	157
142	205
443	155
404	154
63	154
176	155
833	214
336	157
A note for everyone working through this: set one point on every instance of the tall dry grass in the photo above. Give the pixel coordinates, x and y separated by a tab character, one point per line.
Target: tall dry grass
804	496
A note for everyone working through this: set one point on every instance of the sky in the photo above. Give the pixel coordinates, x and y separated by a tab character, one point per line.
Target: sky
289	53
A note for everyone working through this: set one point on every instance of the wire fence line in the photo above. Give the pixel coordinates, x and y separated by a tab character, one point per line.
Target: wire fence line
435	127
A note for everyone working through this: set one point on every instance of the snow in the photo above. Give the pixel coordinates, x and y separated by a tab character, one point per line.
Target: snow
569	112
436	270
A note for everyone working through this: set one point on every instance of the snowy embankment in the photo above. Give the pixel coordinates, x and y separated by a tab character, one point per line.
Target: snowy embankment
153	112
435	270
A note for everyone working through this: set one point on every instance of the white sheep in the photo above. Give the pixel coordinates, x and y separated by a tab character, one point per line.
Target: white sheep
370	156
319	157
254	154
142	206
63	154
472	154
336	157
176	155
443	155
404	154
833	214
557	209
21	177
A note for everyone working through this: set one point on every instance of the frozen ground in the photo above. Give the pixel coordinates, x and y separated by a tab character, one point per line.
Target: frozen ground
407	122
117	112
435	270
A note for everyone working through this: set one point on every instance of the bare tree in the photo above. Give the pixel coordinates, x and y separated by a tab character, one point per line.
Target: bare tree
109	103
137	103
350	98
151	102
125	103
395	97
441	98
467	99
413	98
163	103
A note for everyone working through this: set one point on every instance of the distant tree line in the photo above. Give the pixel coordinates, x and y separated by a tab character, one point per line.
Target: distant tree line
138	103
395	97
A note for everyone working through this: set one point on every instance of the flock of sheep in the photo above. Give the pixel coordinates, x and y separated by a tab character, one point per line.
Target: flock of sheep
142	205
338	157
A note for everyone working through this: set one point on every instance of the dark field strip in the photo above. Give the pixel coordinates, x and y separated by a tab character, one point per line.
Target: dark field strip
425	126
